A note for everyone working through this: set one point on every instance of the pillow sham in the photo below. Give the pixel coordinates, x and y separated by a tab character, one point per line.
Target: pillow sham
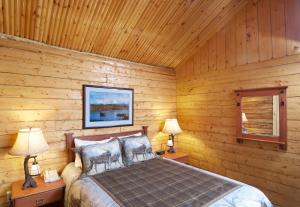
136	149
101	157
79	143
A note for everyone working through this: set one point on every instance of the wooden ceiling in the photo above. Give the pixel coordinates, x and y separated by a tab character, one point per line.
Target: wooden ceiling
156	32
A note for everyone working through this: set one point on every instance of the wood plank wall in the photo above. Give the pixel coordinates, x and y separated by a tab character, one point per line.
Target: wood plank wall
259	47
42	87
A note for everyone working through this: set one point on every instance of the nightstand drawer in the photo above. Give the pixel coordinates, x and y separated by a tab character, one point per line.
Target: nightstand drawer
182	160
40	199
177	156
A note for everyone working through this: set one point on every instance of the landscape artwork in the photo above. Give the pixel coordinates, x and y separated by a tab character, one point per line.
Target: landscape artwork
107	107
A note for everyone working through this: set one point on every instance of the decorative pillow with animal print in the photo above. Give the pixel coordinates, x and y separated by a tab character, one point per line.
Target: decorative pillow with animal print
99	158
136	149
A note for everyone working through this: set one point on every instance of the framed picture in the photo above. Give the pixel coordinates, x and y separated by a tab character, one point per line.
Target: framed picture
107	107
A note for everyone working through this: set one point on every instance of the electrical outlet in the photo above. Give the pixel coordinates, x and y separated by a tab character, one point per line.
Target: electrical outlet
8	196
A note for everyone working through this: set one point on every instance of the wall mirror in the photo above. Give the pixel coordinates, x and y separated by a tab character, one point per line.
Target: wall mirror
261	115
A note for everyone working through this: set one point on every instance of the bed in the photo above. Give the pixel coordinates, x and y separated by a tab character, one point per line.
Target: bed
154	182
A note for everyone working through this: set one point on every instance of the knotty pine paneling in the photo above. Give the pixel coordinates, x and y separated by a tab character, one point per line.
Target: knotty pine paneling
41	87
259	47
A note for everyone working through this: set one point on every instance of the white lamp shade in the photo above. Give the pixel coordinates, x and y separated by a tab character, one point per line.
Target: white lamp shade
244	118
172	127
29	141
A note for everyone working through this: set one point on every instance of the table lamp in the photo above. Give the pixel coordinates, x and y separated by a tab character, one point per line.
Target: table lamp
172	128
29	143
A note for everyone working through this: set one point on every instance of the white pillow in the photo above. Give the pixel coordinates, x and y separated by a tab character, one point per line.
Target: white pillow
70	174
131	135
79	143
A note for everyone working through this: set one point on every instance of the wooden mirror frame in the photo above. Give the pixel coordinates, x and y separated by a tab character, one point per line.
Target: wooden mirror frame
281	140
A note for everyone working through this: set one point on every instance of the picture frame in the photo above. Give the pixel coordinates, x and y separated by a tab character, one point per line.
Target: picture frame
105	107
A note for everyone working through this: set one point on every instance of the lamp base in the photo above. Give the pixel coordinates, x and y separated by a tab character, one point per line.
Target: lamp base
29	181
171	150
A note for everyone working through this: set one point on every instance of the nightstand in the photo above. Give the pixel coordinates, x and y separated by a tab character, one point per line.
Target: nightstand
44	194
178	156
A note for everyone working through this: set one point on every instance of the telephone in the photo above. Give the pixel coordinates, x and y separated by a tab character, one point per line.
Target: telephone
50	176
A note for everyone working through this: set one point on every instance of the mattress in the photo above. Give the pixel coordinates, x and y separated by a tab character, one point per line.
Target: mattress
85	192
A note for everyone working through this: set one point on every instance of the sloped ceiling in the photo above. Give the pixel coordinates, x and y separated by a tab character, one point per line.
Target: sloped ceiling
156	32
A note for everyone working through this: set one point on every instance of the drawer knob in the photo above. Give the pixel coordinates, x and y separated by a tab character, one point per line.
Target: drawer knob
39	202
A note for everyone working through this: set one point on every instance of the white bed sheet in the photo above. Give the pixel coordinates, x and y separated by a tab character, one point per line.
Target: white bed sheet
85	193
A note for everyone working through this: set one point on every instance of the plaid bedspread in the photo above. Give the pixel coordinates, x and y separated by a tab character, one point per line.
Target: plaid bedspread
162	183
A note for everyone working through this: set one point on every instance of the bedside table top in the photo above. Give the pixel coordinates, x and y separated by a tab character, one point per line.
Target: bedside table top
17	191
176	155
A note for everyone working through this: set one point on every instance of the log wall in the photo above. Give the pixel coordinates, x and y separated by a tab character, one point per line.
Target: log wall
259	47
41	86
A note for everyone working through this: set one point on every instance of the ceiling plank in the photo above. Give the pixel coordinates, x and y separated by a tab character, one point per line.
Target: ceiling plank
148	29
109	21
91	38
224	17
125	27
156	32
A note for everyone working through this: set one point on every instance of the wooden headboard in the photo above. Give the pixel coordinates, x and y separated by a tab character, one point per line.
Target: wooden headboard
70	139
